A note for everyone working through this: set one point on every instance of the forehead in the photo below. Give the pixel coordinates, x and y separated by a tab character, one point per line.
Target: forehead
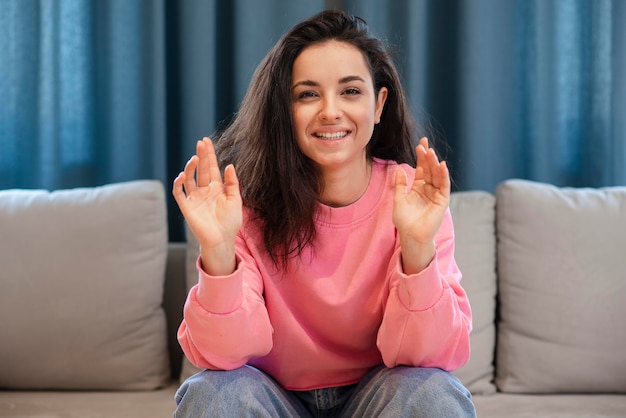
330	59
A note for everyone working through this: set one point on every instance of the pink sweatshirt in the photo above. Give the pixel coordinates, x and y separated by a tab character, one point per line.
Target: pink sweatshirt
345	306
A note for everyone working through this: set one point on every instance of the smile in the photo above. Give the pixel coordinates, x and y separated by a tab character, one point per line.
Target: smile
331	136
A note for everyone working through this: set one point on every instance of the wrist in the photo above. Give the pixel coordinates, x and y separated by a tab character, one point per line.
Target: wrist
218	261
416	256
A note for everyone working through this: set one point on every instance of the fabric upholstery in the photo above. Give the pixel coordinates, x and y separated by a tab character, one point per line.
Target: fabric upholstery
80	404
562	286
506	405
193	252
81	288
473	214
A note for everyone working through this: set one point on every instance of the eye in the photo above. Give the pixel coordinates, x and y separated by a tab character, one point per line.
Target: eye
351	91
306	94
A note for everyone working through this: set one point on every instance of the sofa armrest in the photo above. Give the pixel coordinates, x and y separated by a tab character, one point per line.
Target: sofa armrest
175	293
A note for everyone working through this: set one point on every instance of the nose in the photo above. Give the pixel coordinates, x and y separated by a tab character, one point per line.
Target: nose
330	110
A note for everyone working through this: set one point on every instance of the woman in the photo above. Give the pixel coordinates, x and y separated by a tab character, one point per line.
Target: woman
327	286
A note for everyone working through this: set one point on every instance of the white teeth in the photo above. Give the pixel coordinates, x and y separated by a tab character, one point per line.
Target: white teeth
331	135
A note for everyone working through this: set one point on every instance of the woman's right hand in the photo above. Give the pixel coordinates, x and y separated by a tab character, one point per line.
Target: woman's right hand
211	207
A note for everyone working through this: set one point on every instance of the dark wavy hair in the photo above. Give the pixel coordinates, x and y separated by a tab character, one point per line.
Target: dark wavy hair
278	182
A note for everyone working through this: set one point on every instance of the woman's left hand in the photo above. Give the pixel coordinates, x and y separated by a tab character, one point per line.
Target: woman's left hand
418	213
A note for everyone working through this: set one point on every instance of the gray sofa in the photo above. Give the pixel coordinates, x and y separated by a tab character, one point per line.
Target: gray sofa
91	295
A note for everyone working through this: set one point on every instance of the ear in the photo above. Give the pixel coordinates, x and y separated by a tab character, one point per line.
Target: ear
381	98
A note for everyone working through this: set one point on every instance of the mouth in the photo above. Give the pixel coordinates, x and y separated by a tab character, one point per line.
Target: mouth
331	136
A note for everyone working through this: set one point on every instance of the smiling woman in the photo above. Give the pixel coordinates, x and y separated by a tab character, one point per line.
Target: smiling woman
326	278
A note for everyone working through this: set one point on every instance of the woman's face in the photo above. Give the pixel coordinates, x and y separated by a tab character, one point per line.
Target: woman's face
335	106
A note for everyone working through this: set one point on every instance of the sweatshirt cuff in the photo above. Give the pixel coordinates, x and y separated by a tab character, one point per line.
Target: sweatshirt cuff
419	292
220	294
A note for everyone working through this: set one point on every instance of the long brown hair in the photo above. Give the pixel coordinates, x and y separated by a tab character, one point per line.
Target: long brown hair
278	182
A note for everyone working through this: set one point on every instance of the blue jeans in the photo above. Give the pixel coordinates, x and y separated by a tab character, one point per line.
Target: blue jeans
383	392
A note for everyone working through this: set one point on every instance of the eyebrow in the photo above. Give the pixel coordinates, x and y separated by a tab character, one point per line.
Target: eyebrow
343	80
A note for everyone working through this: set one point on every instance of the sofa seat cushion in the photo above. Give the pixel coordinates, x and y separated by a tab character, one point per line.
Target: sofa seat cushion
81	288
79	404
552	406
562	287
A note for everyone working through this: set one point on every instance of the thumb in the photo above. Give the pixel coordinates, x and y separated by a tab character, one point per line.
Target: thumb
231	182
401	181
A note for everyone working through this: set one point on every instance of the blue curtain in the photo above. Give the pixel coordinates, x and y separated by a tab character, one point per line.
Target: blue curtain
531	89
100	91
82	88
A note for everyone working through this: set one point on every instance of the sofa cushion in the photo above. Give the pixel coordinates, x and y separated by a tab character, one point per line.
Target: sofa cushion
79	404
81	288
510	405
562	286
473	214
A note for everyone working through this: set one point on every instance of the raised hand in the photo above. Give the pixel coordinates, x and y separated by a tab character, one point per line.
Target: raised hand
418	213
211	207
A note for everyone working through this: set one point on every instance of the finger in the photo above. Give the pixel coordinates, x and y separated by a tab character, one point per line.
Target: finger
422	161
418	181
204	177
437	173
401	180
443	178
421	149
231	183
431	165
213	167
400	185
177	189
190	171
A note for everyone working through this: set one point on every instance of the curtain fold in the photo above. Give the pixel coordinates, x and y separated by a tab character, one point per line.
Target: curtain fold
518	88
82	86
99	91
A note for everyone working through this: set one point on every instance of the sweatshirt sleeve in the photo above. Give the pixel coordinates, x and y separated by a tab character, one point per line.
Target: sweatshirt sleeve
427	317
225	321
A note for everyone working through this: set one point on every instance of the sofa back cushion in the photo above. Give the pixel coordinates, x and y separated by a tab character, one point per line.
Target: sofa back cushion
473	214
562	287
81	288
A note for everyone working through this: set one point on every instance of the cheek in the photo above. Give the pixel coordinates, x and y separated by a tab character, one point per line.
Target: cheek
300	124
366	118
301	120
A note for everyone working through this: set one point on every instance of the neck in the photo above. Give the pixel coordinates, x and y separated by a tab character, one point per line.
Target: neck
345	186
